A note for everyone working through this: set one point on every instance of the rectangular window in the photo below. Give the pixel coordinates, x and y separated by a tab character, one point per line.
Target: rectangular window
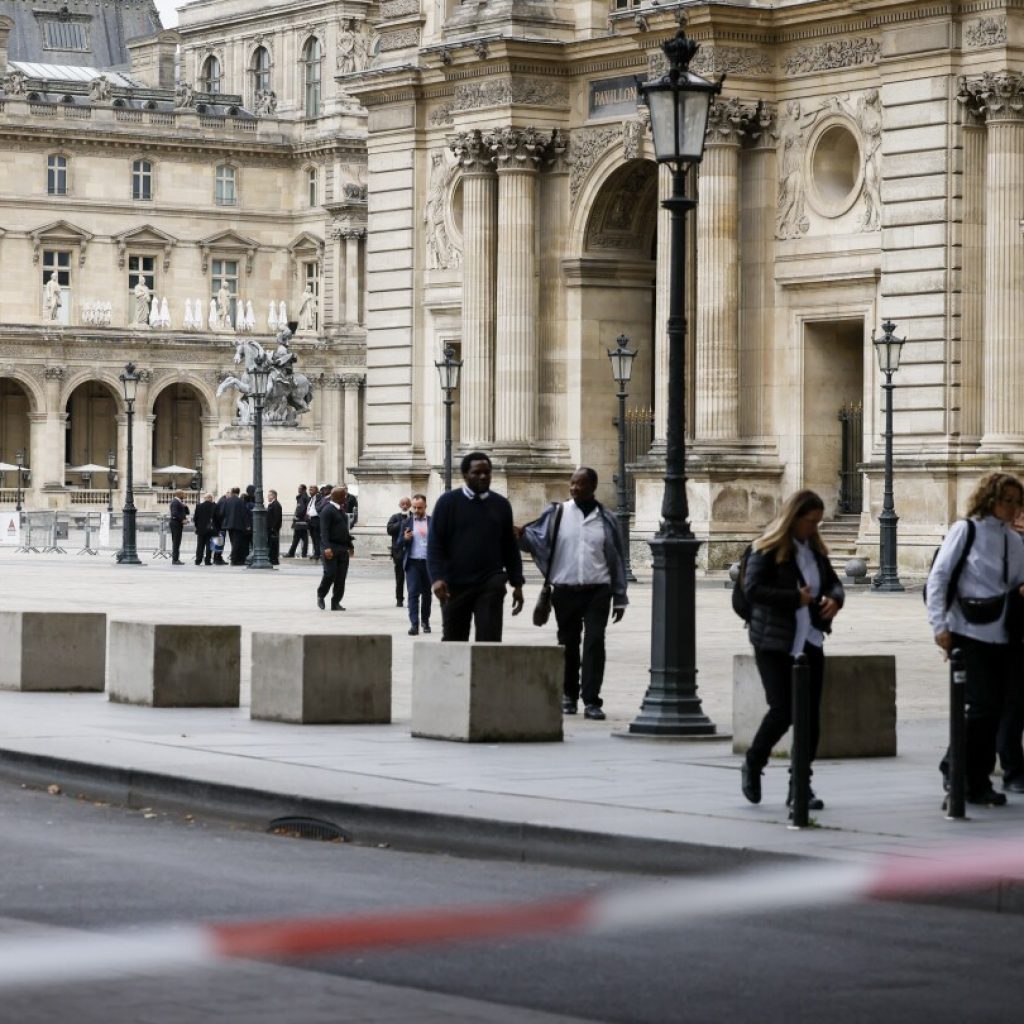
140	268
225	275
142	179
65	35
312	186
311	275
56	301
226	192
57	175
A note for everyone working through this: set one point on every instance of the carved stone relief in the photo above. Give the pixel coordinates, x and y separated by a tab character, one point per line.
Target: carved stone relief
985	32
442	253
633	131
497	92
399	9
587	145
442	115
841	53
717	60
791	218
399	39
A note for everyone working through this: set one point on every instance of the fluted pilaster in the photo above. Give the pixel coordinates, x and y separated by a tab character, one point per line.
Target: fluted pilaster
352	235
351	384
479	237
517	154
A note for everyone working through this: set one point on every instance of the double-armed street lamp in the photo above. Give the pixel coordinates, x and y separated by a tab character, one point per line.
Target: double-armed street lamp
888	349
111	463
622	357
448	370
128	555
19	461
260	550
679	103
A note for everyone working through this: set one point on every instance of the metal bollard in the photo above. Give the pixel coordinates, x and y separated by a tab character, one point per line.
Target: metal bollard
956	799
800	756
161	552
88	549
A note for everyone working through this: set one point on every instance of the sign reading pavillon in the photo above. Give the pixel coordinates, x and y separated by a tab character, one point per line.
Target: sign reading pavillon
611	97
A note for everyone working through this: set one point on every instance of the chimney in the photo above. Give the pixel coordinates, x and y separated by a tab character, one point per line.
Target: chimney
5	32
152	58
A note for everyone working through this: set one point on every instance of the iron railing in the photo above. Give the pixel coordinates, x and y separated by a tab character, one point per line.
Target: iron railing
851	482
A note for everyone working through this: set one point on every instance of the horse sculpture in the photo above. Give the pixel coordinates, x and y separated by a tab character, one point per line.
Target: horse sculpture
288	393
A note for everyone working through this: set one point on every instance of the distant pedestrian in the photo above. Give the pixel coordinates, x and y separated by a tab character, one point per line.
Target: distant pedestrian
794	594
351	506
313	520
577	545
275	516
394	529
984	557
472	552
415	530
336	548
207	528
300	526
179	512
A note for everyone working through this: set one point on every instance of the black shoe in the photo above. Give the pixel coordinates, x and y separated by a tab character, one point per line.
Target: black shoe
593	712
320	603
401	604
568	706
814	803
1014	785
750	783
177	561
426	627
987	798
200	562
414	631
337	607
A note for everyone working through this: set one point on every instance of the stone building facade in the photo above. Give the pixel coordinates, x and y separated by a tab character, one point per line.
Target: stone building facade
483	178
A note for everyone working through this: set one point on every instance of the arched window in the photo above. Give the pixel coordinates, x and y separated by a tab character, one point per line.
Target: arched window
311	58
57	175
209	81
311	185
260	69
142	179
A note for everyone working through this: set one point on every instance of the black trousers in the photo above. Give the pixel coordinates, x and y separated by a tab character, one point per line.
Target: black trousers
314	536
203	547
1011	725
990	677
582	612
776	670
299	536
239	546
482	604
176	529
274	548
333	579
420	594
399	579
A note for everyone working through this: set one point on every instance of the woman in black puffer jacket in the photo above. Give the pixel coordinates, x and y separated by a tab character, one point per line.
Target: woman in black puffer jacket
794	594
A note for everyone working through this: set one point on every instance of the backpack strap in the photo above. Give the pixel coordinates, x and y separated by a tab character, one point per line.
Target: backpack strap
954	576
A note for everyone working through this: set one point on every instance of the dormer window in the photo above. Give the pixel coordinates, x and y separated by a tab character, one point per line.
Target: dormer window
66	35
210	79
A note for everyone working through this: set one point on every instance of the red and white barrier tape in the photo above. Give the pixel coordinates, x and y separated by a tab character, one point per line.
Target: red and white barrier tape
62	956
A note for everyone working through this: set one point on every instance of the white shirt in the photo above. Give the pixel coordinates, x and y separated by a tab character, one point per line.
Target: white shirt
806	633
578	558
472	494
418	544
311	512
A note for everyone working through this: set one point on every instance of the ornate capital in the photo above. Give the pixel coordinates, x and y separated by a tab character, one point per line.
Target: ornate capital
1000	95
351	231
762	127
728	122
473	154
329	381
55	373
556	156
517	149
972	107
352	381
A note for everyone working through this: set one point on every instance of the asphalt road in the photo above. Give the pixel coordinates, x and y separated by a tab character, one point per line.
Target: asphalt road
74	865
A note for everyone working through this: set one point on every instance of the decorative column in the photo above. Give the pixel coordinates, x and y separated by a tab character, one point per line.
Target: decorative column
517	156
142	430
330	428
352	236
757	236
717	377
48	469
1003	411
479	263
972	322
351	383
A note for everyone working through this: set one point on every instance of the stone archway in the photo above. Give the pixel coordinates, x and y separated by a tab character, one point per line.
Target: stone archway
91	430
177	429
15	427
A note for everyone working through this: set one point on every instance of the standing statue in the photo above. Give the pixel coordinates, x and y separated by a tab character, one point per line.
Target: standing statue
212	321
307	310
265	102
143	297
282	316
441	254
184	96
165	313
99	90
272	317
346	59
224	308
791	220
51	298
869	116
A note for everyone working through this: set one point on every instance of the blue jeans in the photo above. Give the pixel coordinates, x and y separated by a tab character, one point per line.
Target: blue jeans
417	582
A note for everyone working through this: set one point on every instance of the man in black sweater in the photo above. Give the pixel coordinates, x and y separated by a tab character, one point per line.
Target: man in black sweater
275	516
336	547
472	552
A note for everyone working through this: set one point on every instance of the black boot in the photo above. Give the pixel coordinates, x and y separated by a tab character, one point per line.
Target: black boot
750	782
814	803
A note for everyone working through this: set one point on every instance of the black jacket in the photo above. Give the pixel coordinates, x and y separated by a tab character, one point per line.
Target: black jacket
233	515
275	514
773	590
394	529
178	510
334	532
206	519
299	520
352	508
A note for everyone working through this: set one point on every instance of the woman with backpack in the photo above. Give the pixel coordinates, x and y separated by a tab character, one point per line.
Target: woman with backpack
793	594
978	565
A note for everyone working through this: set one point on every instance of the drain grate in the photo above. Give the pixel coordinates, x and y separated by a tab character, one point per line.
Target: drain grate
308	828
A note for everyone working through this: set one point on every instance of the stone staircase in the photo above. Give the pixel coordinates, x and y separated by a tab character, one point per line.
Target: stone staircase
840	534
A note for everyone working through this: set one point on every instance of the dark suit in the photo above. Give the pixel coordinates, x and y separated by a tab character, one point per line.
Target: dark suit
235	521
275	516
394	529
336	538
179	513
416	576
207	524
300	528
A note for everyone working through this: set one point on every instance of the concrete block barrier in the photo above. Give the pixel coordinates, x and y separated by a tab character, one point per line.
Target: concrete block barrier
174	665
53	650
316	679
858	706
487	693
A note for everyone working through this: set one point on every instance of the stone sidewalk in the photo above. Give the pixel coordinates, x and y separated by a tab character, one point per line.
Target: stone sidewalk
596	798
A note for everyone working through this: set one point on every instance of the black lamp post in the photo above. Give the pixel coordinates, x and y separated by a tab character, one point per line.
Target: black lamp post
679	104
622	370
111	462
128	554
19	461
448	370
199	477
260	551
888	348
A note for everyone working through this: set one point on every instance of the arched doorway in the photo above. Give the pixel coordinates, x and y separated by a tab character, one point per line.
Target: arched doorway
616	276
14	433
177	435
90	436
